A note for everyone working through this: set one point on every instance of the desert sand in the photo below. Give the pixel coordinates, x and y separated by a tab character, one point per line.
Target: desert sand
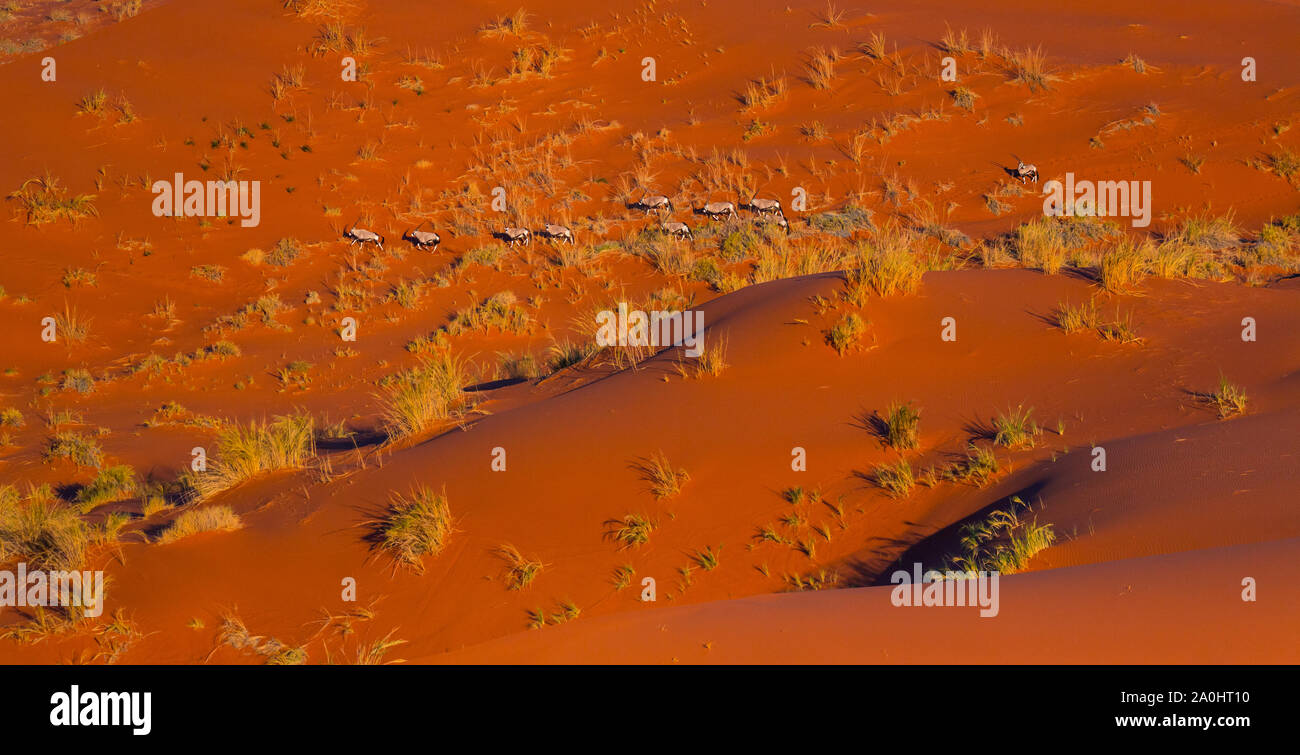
917	270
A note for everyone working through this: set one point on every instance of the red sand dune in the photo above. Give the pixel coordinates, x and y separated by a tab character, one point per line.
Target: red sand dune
1174	608
1157	544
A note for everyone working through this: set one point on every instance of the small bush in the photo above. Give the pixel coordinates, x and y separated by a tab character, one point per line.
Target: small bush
632	530
845	333
665	481
417	525
520	571
420	398
42	531
195	521
1016	428
897	478
80	449
901	421
1229	399
1000	543
112	484
244	452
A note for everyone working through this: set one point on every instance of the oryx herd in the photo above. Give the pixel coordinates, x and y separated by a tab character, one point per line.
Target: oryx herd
765	210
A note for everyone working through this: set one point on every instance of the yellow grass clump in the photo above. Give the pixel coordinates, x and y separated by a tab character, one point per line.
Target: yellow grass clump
194	521
246	451
417	525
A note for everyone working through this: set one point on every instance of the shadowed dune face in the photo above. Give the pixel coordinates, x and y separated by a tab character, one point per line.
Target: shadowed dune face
463	465
1127	611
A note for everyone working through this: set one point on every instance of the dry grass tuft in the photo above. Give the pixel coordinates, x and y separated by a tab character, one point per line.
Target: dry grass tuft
195	521
416	526
665	481
244	452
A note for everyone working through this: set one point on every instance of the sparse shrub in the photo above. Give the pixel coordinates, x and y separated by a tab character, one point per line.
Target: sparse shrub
417	525
513	25
1285	164
500	310
1206	231
964	98
45	201
1016	428
112	484
978	468
1072	318
707	557
93	103
632	530
897	478
901	422
78	380
425	396
821	67
244	452
1029	67
886	264
71	326
520	570
563	354
284	252
842	223
1000	543
713	358
81	449
1174	259
516	367
195	521
1230	400
79	277
1123	267
42	531
1038	244
844	334
665	481
1193	162
1120	329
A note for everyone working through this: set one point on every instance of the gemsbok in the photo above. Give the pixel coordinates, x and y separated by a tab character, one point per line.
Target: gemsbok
716	210
777	220
1026	172
556	233
678	230
514	236
361	236
765	206
652	203
422	239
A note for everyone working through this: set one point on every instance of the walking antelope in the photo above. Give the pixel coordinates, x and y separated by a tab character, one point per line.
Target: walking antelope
765	206
717	210
361	236
556	233
777	220
1027	171
678	230
652	203
422	239
514	236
